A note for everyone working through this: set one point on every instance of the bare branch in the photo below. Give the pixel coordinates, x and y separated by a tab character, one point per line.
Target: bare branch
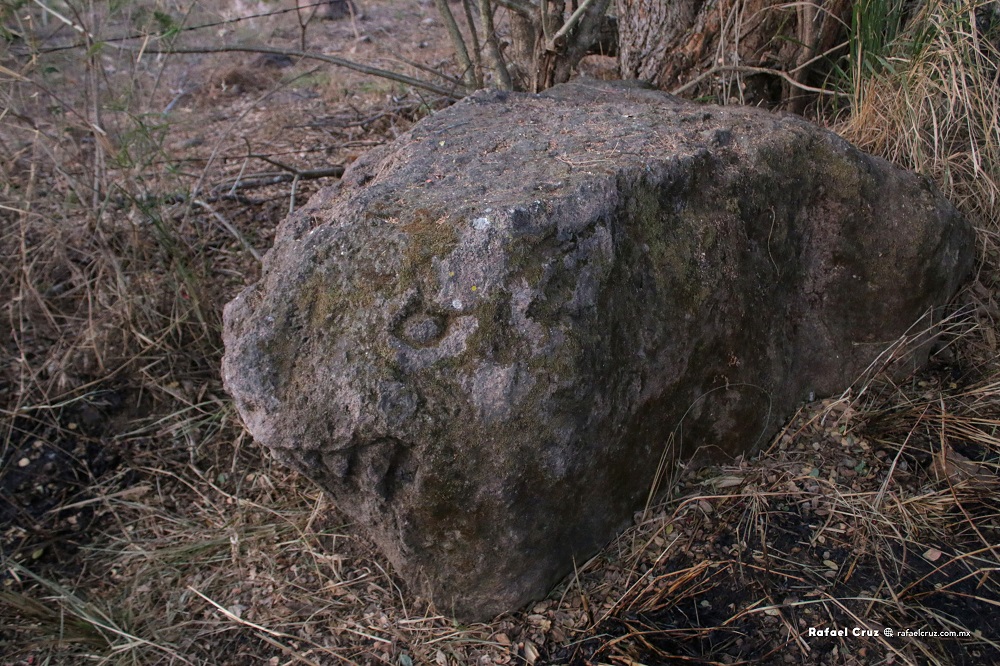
273	178
424	68
230	228
575	40
333	60
522	8
500	72
469	71
476	48
544	9
745	69
569	25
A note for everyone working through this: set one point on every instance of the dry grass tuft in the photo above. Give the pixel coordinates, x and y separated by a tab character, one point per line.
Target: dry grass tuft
933	106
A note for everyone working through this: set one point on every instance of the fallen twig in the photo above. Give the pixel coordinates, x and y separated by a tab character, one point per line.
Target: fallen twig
273	178
333	60
230	228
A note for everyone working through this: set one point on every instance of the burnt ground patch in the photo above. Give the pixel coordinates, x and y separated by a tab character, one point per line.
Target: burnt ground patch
52	460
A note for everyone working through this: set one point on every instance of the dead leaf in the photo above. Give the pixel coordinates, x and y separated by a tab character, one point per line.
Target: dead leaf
530	653
726	482
951	465
933	554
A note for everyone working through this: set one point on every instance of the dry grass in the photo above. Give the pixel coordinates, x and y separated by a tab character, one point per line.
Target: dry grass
827	528
148	529
933	106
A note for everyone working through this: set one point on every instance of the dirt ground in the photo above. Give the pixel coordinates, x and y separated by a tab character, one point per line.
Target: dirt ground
140	524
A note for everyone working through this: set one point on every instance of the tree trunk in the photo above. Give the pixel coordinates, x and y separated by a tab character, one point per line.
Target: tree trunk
548	42
649	32
579	41
672	42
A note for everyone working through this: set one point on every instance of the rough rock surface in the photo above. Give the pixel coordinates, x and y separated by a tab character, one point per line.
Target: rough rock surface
481	341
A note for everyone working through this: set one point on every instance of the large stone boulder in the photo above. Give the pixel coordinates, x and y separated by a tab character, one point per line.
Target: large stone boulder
482	340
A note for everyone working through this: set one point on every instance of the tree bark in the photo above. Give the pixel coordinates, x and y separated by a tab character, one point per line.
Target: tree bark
548	42
670	42
578	41
648	31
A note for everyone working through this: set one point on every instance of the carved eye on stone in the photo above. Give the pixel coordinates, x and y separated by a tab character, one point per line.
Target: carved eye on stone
422	330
